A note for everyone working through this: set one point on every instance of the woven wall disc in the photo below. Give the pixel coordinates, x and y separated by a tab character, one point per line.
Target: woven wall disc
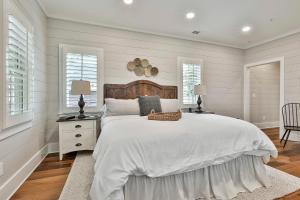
145	62
148	71
131	66
139	71
137	61
154	71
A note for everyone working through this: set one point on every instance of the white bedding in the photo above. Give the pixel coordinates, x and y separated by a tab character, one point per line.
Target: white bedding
225	181
133	145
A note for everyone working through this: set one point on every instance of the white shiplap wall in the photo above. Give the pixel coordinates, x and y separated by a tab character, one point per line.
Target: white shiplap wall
16	150
1	57
223	65
289	47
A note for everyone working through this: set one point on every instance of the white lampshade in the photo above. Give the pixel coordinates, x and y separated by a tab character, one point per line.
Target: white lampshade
200	89
80	87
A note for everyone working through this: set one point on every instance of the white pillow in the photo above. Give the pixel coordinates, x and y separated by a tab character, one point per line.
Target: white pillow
169	105
122	107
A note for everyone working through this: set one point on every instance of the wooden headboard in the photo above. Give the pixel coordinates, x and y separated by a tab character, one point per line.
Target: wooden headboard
139	88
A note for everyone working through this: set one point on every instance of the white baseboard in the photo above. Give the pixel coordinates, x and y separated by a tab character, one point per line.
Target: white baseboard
264	125
20	176
53	147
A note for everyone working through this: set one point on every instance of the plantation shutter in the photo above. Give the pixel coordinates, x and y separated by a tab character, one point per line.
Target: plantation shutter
19	63
80	66
191	75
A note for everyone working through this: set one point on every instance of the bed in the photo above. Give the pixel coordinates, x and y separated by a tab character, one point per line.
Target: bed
198	157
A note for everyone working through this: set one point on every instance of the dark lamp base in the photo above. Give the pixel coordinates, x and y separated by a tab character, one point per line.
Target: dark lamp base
81	104
81	116
199	109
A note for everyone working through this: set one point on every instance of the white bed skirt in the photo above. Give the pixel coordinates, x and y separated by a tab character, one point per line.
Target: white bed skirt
223	181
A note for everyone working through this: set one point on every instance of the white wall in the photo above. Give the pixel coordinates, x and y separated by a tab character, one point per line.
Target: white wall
288	47
223	65
223	72
264	95
1	56
16	150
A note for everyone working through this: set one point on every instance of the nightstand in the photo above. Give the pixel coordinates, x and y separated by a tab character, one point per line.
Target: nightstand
203	112
194	110
77	134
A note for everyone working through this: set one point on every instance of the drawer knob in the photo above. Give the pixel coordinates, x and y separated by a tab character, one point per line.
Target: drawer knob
78	145
78	126
78	135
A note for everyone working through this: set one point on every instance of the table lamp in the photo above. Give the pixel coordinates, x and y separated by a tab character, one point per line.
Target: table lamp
199	90
80	87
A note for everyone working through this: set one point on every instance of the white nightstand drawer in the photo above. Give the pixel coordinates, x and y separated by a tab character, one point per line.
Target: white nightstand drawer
77	125
78	140
75	135
78	146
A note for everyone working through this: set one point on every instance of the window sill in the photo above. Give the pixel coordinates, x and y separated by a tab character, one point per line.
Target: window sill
8	132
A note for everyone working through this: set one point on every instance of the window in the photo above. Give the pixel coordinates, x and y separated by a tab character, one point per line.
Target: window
190	71
19	63
81	67
80	63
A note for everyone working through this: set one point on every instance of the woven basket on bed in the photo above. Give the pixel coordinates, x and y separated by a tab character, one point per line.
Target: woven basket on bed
168	116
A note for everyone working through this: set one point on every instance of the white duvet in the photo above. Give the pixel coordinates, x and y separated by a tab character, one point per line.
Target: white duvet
133	145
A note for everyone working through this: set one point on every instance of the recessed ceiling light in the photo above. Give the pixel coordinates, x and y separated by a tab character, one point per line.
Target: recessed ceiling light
246	29
128	2
190	15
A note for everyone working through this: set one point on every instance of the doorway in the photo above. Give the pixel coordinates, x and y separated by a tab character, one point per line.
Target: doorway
264	93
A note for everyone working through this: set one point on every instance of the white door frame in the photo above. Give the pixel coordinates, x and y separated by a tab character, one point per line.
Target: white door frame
247	87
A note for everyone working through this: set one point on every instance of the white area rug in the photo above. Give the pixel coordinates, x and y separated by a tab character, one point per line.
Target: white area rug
79	181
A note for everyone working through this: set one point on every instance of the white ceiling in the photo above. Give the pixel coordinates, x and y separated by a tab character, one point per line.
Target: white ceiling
220	21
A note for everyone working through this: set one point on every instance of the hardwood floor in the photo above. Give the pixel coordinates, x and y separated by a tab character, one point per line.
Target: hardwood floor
47	181
288	159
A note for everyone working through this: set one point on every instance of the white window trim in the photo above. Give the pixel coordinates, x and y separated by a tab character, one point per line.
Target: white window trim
180	61
100	77
12	125
14	130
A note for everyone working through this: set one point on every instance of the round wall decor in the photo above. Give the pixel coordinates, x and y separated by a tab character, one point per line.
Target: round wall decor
139	71
131	66
148	71
145	63
142	67
154	71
